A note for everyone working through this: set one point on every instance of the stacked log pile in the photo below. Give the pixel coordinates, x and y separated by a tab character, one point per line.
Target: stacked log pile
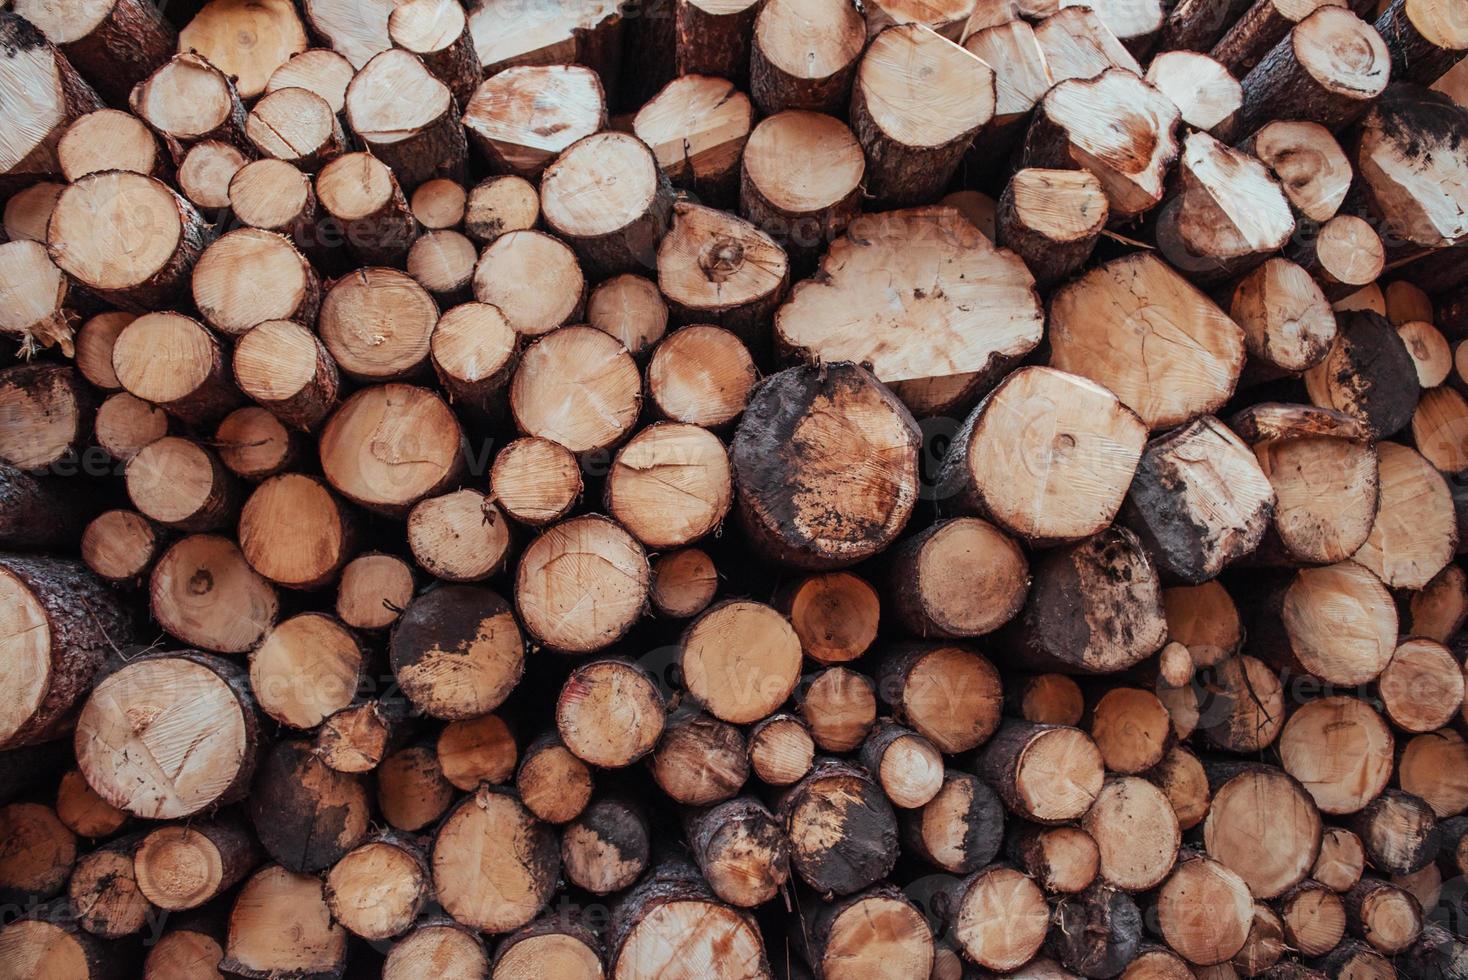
733	489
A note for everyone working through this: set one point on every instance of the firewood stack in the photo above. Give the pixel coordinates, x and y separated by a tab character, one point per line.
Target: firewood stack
741	489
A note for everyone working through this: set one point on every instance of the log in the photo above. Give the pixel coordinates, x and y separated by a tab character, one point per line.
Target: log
781	750
1202	89
459	537
839	706
250	276
670	485
1415	534
1136	833
205	171
47	409
557	944
1398	832
1049	774
181	484
1262	26
1313	917
1051	219
1181	776
956	579
700	760
702	375
535	481
306	814
961	829
183	866
357	738
175	363
835	615
683	583
1421	688
274	195
296	126
108	139
1022	76
1068	133
1062	860
280	924
521	119
35	292
188	100
1248	797
1204	911
949	694
437	31
283	366
1335	622
905	764
377	890
1384	915
1307	161
1344	254
114	43
476	750
610	713
804	55
419	143
584	34
417	439
606	848
630	308
1411	127
843	832
515	258
714	268
1048	699
254	444
514	864
472	346
457	652
554	784
377	324
1341	860
671	919
82	811
877	932
306	669
998	917
412	793
48	938
55	96
1077	44
1131	728
551	592
1243	705
373	590
696	127
1430	351
40	852
356	31
319	70
218	32
1287	322
725	679
371	214
440	203
1425	39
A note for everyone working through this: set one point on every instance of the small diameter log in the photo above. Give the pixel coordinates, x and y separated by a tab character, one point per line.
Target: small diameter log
1181	776
630	308
193	700
1199	501
296	126
114	43
531	257
1439	609
700	760
189	100
459	537
671	920
670	485
998	917
250	276
1324	474
205	172
1242	705
521	119
437	31
1437	954
127	238
606	848
781	750
876	933
610	713
48	939
1421	689
307	669
28	211
1204	911
913	147
281	925
104	892
1052	219
683	583
1337	623
800	180
791	437
175	363
1262	26
839	706
1203	90
357	738
949	694
1262	825
476	750
412	793
1354	959
204	593
255	445
472	348
1343	254
417	447
440	203
494	865
696	127
181	484
701	375
306	814
373	591
1050	774
835	614
285	367
47	411
1341	860
1415	534
1384	915
275	196
1430	352
499	205
1062	860
82	811
408	119
554	784
1265	945
1091	334
937	272
94	341
1047	456
34	290
843	833
714	268
1307	161
1068	133
457	652
1287	321
804	55
711	38
959	578
959	830
1313	918
555	945
570	606
361	193
1136	833
377	324
1131	729
378	889
906	765
744	683
55	96
1398	831
108	139
443	263
39	852
1229	213
1328	71
1425	38
182	866
1048	699
1110	579
536	481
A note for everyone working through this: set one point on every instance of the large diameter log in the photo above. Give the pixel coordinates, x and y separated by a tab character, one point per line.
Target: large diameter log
274	30
557	944
741	850
40	851
1228	216
48	95
914	146
274	904
943	319
804	54
457	652
1337	623
494	865
1047	456
1415	534
126	237
197	748
416	441
61	624
1328	71
378	889
1049	774
671	925
1262	825
48	940
813	491
1116	618
47	411
843	832
569	604
1069	132
715	268
296	126
522	118
1287	322
377	324
408	119
114	43
1426	38
875	933
188	100
610	713
1092	333
744	684
998	917
607	198
1409	131
306	814
1307	161
1340	750
519	257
